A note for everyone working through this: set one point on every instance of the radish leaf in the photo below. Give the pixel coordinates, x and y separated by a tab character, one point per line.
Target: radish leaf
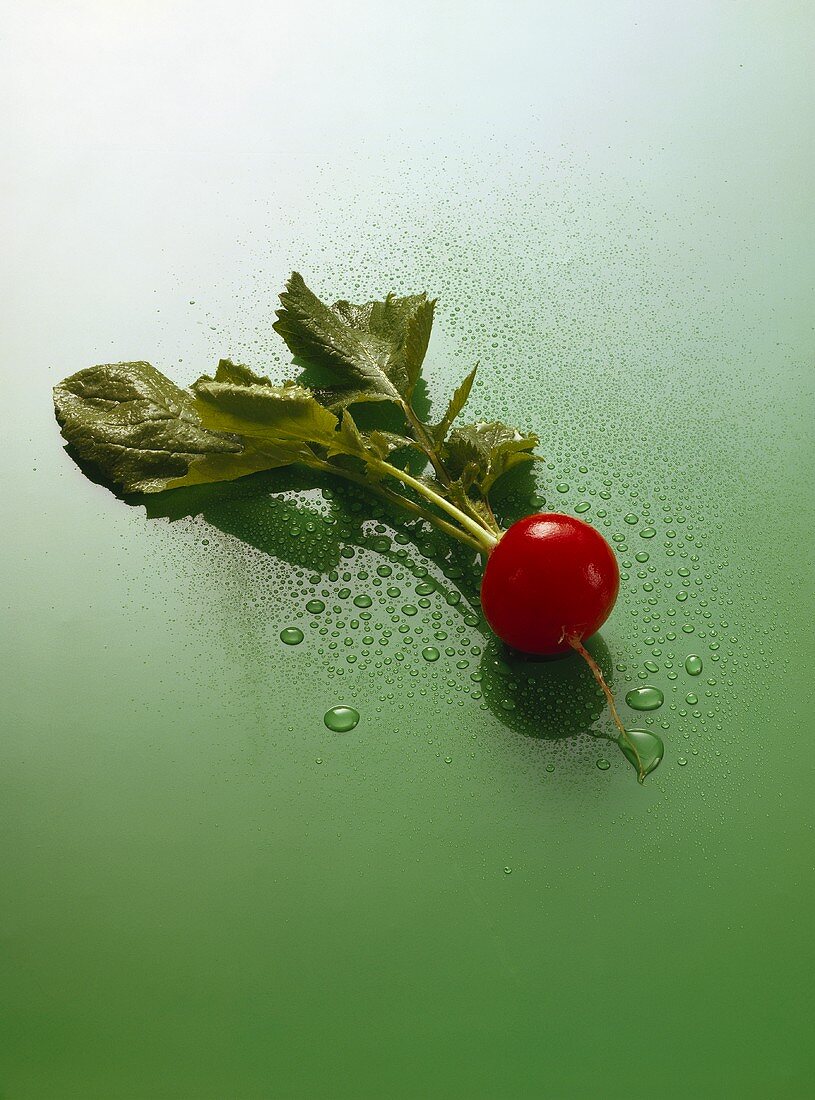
481	453
372	352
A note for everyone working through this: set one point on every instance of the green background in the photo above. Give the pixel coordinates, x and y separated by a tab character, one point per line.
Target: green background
205	893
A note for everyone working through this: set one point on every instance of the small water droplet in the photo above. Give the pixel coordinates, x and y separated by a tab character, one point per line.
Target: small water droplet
642	557
430	653
693	664
362	601
562	487
645	698
341	719
631	519
292	635
647	533
583	506
410	609
691	698
507	870
314	607
603	764
682	761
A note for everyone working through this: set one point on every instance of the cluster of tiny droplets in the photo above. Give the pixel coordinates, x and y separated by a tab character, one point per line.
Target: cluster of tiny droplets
571	316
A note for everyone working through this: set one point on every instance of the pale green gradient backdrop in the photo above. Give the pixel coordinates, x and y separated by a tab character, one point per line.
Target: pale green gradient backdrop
189	906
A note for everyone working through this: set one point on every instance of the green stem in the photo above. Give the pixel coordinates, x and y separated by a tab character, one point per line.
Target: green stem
485	538
425	442
400	501
429	448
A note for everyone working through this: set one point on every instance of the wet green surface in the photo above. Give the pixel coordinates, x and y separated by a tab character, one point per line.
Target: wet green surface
208	892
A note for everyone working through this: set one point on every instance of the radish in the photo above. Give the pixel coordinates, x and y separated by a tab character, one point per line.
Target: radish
550	580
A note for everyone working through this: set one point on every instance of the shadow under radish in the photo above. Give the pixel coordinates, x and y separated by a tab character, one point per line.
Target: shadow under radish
546	698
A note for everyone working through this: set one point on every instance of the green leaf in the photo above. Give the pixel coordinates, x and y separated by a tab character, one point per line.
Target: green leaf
457	403
385	443
348	441
143	432
227	371
481	453
372	349
337	400
283	416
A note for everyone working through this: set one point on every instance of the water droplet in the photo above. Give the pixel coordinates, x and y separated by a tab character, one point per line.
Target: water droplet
341	719
691	698
645	698
583	506
652	666
642	557
647	533
292	635
562	487
682	761
431	653
603	764
507	870
631	518
362	601
649	746
410	609
693	664
314	607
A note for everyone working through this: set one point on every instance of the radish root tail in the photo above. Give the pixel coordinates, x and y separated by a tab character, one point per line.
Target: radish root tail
577	645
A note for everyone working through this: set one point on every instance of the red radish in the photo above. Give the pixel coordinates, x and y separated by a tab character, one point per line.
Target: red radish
551	580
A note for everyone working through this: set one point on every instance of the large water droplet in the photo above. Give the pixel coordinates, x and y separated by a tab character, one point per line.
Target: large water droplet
314	607
645	698
341	719
693	664
292	635
649	749
431	653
